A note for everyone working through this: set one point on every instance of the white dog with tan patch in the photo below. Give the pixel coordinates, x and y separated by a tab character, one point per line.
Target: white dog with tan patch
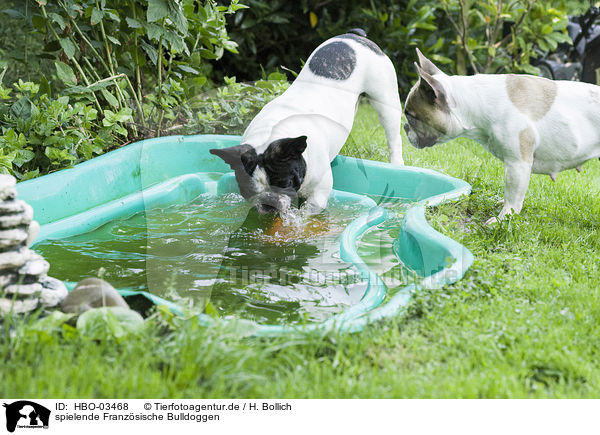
530	123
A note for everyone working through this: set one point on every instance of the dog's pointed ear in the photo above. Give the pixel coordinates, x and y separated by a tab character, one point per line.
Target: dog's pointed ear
430	88
238	157
286	149
427	65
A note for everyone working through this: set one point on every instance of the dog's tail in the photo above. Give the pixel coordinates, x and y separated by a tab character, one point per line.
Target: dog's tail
358	31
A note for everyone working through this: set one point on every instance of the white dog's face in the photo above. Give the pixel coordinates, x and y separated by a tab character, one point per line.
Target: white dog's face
427	112
428	108
269	181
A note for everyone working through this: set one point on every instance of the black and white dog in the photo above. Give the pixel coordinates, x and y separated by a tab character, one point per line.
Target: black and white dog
287	149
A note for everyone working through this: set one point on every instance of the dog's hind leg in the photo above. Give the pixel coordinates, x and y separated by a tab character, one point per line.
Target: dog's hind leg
383	96
390	116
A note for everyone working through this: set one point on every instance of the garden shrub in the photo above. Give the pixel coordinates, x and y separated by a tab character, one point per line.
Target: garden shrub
463	36
110	72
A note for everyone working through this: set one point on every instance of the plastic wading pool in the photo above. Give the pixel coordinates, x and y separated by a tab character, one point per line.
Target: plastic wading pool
176	169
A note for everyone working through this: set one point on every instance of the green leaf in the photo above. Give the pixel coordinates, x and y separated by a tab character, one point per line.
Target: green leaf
39	22
155	32
68	47
110	98
111	118
207	54
277	76
23	156
211	310
132	23
112	14
65	73
177	16
58	20
157	9
113	40
56	319
57	156
45	88
106	322
150	51
97	16
188	69
30	175
22	108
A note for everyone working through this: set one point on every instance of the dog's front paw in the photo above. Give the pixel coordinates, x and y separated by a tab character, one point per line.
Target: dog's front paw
491	221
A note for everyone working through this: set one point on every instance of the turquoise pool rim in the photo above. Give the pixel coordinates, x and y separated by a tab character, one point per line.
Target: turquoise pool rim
80	199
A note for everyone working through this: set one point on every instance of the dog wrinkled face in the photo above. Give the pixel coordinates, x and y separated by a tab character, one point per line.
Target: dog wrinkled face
427	110
270	181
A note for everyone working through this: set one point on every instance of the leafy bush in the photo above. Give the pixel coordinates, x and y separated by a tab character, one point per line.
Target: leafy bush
461	35
41	133
119	71
147	55
230	109
502	36
272	34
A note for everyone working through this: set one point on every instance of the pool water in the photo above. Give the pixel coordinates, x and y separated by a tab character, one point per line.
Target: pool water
218	249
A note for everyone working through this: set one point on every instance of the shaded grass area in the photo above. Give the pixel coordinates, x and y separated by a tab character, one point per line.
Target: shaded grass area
522	322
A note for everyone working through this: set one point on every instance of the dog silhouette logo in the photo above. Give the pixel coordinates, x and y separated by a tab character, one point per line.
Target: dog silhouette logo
26	414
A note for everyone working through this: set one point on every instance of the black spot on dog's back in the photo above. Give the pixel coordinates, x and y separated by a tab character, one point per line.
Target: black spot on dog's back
362	40
335	60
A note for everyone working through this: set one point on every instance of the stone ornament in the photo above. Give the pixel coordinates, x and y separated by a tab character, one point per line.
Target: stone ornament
92	293
24	283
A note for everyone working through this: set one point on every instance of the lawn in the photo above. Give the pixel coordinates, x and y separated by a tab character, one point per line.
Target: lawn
521	323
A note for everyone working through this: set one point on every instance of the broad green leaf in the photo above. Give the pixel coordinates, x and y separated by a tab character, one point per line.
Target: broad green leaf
113	40
57	156
155	31
58	20
56	319
207	54
177	17
110	98
132	23
188	69
68	47
45	88
150	51
106	322
30	175
112	14
23	156
157	9
97	16
39	22
65	73
22	108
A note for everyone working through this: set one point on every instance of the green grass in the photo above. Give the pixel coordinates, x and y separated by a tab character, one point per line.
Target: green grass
522	323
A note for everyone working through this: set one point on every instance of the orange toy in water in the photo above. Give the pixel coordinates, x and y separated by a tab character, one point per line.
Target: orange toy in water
278	232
